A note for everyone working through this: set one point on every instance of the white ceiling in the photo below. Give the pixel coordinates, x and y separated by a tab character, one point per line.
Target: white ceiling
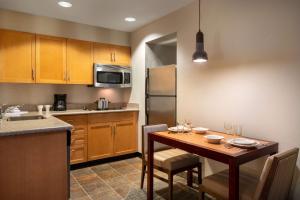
102	13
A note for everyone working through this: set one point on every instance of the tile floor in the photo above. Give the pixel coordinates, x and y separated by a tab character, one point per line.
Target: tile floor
121	180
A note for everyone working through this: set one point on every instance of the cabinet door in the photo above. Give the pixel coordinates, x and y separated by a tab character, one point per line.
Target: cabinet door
50	59
79	62
17	57
125	139
100	141
122	55
78	153
103	53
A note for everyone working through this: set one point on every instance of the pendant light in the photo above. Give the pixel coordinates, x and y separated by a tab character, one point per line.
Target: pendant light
200	55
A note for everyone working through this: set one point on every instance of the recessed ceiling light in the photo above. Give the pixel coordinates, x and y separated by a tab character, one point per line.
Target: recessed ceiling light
65	4
130	19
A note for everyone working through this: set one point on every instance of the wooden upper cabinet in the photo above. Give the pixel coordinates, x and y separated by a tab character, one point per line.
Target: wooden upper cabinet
50	59
103	53
79	62
17	57
112	54
122	55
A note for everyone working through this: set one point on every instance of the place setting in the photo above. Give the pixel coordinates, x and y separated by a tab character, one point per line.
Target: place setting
236	130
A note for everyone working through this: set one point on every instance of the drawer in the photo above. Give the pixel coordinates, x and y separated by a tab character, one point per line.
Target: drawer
79	130
78	136
75	142
110	117
78	153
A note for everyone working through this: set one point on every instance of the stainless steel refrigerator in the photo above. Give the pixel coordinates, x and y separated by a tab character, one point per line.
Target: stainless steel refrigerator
161	95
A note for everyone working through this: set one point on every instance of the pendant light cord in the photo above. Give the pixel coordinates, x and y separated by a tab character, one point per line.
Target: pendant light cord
199	15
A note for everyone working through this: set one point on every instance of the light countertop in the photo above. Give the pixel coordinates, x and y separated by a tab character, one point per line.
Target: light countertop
81	111
50	124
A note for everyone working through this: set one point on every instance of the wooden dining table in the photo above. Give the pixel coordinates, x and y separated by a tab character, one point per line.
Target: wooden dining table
223	152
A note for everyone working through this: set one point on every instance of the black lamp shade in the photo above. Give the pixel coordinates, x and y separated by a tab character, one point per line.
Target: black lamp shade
200	55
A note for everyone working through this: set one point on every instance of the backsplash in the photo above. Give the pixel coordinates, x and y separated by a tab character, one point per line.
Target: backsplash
34	94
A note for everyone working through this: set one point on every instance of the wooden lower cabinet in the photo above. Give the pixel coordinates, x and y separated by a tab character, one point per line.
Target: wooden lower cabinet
78	147
100	141
34	166
124	139
97	136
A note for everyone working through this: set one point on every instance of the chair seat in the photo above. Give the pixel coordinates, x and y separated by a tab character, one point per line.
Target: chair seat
217	185
173	159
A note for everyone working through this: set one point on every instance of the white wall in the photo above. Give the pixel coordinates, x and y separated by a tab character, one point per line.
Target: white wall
55	27
43	93
252	76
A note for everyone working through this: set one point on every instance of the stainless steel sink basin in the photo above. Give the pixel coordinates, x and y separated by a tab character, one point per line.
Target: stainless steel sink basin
22	118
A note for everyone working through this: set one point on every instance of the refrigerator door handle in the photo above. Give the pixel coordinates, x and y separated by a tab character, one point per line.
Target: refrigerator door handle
147	82
147	106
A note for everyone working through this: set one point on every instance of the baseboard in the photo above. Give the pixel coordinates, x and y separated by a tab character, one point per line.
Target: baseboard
104	160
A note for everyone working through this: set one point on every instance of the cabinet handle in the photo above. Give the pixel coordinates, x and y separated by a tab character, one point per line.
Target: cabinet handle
69	76
64	75
111	57
114	56
33	74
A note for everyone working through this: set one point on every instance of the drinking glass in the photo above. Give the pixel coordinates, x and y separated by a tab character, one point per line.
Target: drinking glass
238	130
188	125
228	127
180	127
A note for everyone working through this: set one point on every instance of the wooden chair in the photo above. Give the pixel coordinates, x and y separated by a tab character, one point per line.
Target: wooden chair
168	160
273	184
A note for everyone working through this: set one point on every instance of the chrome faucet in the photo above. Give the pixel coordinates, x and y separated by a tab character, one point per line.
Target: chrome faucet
0	112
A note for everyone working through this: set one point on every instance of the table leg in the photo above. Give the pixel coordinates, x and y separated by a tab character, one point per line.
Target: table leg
150	168
234	170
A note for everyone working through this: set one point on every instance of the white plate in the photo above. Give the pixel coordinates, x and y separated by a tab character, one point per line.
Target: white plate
200	130
215	139
231	142
176	129
243	141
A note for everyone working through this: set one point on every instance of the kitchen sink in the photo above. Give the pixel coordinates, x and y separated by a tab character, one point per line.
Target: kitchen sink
22	118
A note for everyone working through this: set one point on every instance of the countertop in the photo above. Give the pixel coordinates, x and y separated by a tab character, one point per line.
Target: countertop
50	124
81	111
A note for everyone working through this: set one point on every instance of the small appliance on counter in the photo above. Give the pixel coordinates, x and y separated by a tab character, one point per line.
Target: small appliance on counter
102	104
60	102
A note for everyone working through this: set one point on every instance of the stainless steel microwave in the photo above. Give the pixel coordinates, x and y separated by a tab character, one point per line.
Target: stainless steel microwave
111	76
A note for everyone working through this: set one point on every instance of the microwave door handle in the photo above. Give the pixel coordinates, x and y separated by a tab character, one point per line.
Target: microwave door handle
123	78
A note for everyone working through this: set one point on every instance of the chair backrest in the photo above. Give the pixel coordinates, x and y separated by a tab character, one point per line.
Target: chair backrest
277	176
150	129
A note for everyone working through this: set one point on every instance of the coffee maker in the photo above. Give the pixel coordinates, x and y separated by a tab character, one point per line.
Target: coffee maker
60	102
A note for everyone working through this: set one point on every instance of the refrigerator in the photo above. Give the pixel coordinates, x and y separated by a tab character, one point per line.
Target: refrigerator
161	95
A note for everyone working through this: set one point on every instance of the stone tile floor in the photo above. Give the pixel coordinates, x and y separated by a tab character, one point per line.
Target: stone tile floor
121	180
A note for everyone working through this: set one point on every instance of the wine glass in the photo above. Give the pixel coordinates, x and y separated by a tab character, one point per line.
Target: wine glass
188	125
228	127
179	127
